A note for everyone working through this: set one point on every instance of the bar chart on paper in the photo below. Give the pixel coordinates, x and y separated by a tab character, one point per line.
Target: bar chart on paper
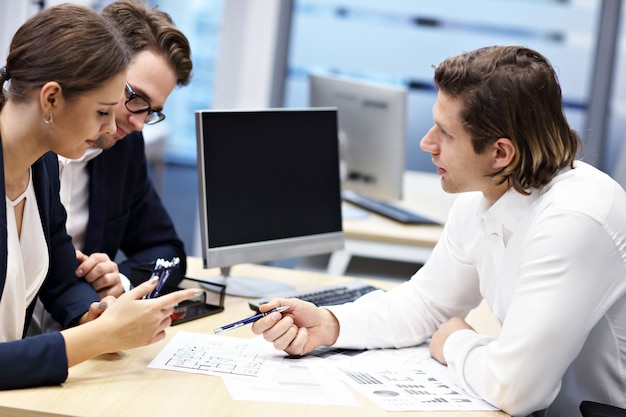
410	381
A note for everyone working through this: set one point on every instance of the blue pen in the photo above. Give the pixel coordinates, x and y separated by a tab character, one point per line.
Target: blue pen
249	320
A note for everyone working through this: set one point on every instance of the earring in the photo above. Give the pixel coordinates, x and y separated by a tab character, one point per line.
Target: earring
46	120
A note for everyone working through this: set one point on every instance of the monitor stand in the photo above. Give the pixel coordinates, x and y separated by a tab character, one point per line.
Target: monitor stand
242	286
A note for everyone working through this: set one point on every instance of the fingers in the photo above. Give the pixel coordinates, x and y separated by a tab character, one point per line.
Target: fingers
282	333
158	337
80	256
96	267
176	297
286	338
298	345
96	309
87	263
101	272
164	324
145	288
268	326
293	340
272	304
262	325
115	289
164	301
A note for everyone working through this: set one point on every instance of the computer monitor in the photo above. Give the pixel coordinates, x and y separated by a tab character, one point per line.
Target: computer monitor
372	132
269	189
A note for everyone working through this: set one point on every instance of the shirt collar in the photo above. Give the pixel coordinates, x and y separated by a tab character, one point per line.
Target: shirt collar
510	208
89	154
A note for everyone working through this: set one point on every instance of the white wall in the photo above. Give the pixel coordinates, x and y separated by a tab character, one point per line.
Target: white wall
253	43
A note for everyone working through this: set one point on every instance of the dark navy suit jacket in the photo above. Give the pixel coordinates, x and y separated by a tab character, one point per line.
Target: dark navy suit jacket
42	360
125	211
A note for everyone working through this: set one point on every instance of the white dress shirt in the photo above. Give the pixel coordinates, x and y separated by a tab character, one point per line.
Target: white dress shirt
75	198
75	194
552	267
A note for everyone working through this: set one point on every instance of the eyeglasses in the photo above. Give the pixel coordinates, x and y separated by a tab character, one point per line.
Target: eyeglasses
137	104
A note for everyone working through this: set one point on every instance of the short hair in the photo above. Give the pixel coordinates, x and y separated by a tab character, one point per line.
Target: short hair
69	44
512	92
151	29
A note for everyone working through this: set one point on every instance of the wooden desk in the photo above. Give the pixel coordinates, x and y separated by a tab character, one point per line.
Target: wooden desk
378	237
120	384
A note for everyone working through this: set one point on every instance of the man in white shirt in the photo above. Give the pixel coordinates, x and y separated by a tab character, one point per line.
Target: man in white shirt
538	235
110	200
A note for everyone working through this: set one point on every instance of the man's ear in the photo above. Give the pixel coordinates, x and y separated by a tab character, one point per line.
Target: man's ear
50	96
503	153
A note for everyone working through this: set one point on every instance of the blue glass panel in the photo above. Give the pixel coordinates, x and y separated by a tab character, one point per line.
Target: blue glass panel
200	21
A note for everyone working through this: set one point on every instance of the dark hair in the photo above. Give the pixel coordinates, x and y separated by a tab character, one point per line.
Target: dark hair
69	44
152	29
512	92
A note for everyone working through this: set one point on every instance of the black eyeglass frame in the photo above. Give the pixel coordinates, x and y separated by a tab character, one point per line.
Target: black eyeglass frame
152	116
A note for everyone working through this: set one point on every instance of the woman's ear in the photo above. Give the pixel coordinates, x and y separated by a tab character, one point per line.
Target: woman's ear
504	152
50	96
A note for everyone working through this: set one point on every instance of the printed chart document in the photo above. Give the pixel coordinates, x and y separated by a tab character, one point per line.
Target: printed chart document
252	371
399	379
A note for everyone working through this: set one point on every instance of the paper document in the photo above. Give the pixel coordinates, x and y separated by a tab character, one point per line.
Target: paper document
407	380
213	355
252	370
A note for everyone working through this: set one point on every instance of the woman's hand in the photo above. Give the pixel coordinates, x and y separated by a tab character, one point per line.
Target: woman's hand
125	323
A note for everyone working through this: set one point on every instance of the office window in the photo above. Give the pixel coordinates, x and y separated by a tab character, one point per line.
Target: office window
200	21
616	131
398	41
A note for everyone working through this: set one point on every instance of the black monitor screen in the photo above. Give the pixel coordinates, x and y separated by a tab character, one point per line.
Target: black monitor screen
269	174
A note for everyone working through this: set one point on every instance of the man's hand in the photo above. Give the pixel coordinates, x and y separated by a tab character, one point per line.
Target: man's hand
101	272
299	330
441	335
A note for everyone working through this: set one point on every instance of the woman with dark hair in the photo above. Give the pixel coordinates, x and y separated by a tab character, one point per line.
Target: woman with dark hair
64	74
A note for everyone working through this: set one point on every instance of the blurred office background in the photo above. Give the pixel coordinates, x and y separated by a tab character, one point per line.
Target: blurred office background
257	53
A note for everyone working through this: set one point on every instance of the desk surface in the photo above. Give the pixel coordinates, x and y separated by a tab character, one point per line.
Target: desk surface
120	384
375	236
422	194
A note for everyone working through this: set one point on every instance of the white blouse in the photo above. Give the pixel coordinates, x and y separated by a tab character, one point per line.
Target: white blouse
27	264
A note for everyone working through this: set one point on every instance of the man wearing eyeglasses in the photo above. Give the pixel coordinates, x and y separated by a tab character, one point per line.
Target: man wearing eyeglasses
110	200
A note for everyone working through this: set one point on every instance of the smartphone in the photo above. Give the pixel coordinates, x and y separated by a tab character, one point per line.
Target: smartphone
193	308
190	310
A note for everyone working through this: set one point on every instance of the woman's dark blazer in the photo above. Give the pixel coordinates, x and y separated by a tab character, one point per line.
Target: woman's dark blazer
42	359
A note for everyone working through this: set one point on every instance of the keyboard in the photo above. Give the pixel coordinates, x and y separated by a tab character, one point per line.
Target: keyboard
386	209
324	296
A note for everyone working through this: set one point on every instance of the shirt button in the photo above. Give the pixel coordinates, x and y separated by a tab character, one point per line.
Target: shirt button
495	236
